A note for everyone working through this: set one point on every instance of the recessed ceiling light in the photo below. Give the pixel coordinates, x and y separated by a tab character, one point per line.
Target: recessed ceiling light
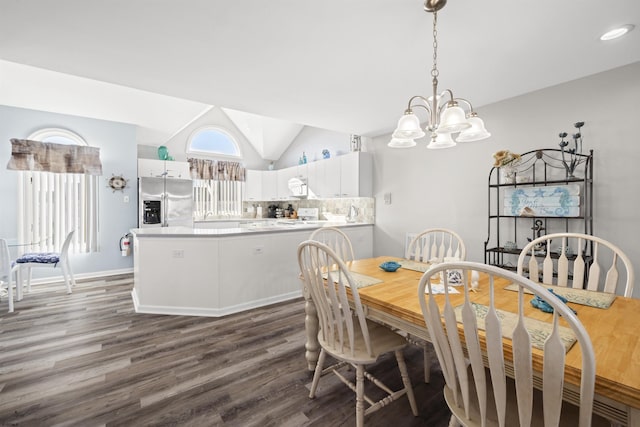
617	32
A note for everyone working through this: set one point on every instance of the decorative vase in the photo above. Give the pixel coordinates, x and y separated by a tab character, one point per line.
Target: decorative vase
507	175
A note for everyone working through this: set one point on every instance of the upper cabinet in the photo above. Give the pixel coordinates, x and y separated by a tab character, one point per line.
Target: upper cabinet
160	168
269	185
348	175
356	173
285	175
344	176
253	185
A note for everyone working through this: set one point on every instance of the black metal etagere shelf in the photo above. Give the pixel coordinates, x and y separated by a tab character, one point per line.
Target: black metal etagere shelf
536	168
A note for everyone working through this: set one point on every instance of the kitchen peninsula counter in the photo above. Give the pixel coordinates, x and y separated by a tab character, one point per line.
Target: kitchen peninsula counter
215	272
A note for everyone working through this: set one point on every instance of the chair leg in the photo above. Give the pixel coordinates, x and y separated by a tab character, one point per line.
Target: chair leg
317	374
19	284
360	396
65	274
10	295
73	280
28	280
407	382
426	363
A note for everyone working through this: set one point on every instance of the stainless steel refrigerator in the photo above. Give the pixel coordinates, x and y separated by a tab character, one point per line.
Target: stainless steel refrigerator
165	202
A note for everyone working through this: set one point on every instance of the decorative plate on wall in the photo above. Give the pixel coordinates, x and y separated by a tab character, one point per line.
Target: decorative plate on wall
117	182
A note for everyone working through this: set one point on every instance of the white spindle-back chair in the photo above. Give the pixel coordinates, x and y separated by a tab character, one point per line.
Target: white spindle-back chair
481	396
337	240
345	333
436	244
586	256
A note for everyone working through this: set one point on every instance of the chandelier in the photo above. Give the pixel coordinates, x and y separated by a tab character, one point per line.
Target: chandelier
446	114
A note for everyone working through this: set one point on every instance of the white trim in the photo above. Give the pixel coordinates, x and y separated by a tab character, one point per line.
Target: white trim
82	276
210	312
42	134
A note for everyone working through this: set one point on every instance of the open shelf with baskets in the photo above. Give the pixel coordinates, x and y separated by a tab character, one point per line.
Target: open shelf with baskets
544	194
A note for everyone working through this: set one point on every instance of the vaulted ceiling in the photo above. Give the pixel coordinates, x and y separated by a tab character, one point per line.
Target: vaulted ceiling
346	66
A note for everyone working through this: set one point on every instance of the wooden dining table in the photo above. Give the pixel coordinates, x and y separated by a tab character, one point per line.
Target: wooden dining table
614	333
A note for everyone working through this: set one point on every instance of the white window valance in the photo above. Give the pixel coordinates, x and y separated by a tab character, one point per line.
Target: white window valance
28	155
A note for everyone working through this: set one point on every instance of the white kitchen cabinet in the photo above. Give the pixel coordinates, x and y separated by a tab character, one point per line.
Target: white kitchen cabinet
356	174
349	175
158	168
253	185
269	185
184	272
324	178
284	175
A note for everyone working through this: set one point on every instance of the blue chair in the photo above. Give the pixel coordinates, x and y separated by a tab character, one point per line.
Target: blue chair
46	259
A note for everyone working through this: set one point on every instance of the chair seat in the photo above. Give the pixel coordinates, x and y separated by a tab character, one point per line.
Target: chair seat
383	340
39	258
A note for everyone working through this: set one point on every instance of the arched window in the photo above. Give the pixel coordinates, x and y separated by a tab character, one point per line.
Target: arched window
212	141
53	204
57	136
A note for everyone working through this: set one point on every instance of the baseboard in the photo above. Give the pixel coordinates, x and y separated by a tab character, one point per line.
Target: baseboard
209	312
81	276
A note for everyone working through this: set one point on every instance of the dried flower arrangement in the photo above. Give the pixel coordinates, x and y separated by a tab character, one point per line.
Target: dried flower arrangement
505	158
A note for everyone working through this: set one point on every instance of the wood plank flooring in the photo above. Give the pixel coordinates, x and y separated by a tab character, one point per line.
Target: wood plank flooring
88	359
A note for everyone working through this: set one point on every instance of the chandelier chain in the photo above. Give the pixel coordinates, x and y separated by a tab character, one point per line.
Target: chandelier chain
434	70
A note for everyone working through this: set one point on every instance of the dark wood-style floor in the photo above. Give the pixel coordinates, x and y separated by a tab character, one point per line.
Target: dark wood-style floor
88	359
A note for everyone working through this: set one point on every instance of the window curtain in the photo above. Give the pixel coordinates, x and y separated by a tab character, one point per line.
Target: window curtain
216	170
28	155
58	192
218	187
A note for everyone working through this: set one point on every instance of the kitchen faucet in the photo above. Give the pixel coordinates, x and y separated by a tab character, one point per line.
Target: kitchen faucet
353	213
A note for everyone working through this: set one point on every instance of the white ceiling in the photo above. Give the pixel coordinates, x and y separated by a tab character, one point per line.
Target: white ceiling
346	66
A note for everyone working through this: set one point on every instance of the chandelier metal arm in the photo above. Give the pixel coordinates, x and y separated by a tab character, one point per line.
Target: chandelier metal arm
471	111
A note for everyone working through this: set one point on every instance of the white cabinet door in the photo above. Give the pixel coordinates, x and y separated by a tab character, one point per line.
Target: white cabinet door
356	174
284	175
177	170
253	185
158	168
269	185
315	175
150	168
332	177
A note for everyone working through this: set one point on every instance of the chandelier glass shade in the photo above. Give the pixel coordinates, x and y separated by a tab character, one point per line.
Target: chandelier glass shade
447	115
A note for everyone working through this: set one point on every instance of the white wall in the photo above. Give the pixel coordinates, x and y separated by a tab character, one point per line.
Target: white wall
448	188
117	143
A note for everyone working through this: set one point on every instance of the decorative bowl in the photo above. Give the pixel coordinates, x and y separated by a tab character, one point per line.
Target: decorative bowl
390	266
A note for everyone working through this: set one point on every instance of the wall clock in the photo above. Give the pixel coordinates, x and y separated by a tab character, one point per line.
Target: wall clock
117	182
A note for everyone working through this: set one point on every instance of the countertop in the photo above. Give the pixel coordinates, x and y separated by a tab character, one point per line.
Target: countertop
259	226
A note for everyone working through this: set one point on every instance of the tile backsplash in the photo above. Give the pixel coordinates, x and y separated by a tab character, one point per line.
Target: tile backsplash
341	206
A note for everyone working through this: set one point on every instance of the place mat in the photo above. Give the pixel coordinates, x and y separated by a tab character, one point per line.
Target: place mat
578	296
538	330
360	279
414	265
